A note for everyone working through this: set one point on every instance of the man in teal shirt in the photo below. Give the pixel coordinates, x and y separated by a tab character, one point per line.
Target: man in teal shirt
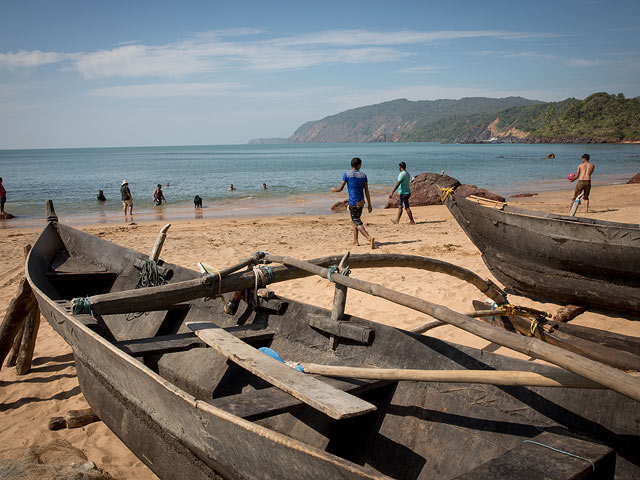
402	185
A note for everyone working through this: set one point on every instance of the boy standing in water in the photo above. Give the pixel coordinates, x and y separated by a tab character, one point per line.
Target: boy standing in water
583	175
404	192
358	188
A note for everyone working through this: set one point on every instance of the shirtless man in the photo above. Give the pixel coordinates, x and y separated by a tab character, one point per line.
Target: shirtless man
583	175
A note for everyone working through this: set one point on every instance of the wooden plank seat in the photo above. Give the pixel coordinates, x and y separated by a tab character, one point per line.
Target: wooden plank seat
530	460
270	401
320	395
74	268
186	341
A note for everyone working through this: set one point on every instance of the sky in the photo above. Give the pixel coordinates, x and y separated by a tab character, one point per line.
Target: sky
95	73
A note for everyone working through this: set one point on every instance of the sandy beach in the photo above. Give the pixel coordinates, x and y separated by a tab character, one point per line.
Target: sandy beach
51	388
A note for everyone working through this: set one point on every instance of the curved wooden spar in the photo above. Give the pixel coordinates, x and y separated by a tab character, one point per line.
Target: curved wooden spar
608	376
162	297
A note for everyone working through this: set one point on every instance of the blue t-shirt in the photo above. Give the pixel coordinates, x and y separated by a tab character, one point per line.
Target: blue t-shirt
404	178
355	183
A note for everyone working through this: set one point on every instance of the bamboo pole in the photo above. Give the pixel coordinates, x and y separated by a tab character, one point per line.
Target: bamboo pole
558	378
603	374
161	297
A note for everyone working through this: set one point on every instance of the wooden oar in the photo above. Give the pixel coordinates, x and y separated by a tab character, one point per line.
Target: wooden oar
558	378
603	374
160	298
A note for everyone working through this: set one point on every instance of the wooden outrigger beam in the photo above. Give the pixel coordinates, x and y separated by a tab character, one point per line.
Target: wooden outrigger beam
162	297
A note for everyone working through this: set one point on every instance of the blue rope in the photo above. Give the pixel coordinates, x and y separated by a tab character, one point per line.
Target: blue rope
81	305
332	269
269	271
563	452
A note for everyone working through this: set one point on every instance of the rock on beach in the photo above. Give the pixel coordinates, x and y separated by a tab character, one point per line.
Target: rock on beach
635	178
425	191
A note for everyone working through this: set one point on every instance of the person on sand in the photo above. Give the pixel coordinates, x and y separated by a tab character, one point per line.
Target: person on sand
3	196
101	197
358	188
158	196
127	198
583	175
231	187
404	192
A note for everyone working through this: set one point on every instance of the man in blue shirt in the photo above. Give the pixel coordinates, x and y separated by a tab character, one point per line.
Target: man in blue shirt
358	188
404	192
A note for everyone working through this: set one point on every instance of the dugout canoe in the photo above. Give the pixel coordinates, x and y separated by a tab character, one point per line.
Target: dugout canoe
555	257
188	412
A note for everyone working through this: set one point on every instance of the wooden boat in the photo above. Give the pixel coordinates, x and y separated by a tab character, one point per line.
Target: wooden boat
191	411
556	257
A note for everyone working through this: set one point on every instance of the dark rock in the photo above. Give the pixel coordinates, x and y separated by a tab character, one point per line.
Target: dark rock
520	195
635	179
6	216
340	206
424	190
467	190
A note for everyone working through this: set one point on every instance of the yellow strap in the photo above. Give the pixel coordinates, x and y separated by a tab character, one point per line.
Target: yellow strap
534	325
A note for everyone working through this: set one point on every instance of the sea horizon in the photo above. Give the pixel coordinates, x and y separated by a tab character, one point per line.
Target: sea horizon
298	176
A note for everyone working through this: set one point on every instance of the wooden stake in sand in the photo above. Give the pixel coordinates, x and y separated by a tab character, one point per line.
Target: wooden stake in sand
19	309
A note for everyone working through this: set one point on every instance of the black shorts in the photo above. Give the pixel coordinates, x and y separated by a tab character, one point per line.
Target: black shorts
404	200
356	213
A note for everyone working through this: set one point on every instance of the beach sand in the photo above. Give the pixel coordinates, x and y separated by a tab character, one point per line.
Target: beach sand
51	388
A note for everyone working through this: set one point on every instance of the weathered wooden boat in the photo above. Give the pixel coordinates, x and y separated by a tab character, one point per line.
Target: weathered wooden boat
555	257
191	411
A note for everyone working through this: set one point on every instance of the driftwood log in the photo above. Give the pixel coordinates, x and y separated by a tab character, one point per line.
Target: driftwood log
28	343
17	312
73	419
12	358
564	314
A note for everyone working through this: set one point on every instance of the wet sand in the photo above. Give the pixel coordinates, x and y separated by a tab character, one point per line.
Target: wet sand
51	388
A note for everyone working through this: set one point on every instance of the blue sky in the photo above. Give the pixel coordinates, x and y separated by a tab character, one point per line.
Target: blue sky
111	73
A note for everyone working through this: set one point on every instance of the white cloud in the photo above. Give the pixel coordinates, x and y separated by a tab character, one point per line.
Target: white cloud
210	51
34	58
164	90
580	62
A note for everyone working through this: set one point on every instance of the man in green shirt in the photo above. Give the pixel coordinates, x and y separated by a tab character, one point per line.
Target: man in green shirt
402	185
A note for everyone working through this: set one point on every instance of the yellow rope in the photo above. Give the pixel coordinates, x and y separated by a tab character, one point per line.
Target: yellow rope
445	193
534	325
219	295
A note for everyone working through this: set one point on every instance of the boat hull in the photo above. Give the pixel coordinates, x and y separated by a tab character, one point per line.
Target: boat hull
166	407
553	257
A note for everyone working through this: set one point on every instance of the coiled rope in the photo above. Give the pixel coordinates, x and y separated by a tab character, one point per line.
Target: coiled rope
81	305
149	277
445	193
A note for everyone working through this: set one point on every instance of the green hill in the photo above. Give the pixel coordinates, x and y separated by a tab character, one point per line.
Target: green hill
598	118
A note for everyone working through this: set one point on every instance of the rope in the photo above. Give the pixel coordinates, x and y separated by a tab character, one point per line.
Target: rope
81	305
445	193
534	325
213	276
265	274
149	277
593	465
346	271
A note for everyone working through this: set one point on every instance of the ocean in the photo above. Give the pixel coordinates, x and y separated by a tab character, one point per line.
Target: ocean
298	176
